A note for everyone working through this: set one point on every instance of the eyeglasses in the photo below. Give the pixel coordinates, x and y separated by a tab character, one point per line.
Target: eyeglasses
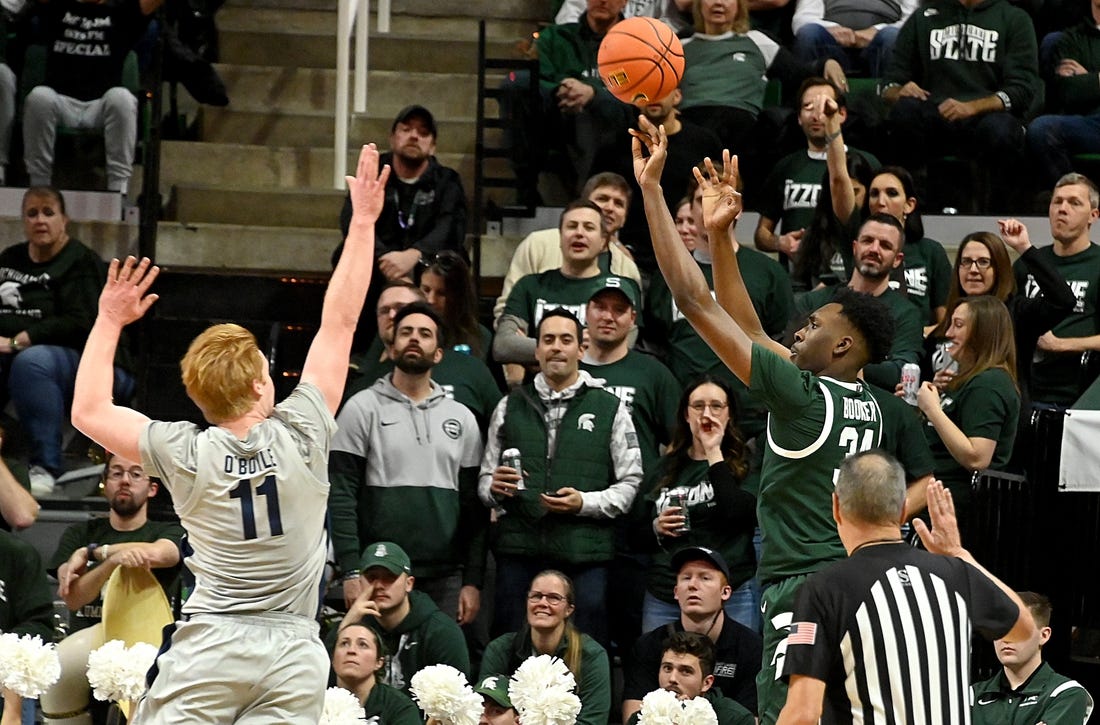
135	474
980	263
551	597
699	406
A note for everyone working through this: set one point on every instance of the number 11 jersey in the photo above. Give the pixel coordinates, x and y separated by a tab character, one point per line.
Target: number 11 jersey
813	424
254	509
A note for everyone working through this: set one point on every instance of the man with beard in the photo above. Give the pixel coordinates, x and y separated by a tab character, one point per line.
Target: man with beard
86	556
424	212
877	250
404	468
688	144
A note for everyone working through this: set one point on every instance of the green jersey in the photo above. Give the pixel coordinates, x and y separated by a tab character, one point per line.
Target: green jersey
790	192
927	272
650	393
689	356
1046	697
536	294
813	424
986	406
1059	378
908	333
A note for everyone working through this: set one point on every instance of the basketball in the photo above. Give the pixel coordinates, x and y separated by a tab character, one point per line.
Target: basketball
641	60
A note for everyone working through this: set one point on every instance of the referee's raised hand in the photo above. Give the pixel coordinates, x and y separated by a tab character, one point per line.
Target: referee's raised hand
943	538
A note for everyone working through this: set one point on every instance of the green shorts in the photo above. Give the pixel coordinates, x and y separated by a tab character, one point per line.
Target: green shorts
777	607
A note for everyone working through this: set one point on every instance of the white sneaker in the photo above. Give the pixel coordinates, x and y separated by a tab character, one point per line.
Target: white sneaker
42	481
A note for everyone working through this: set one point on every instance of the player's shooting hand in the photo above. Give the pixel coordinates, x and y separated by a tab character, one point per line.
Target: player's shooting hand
654	140
469	603
721	199
943	538
563	501
1014	233
368	187
125	297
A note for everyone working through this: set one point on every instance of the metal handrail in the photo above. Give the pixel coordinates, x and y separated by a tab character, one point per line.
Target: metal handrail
352	14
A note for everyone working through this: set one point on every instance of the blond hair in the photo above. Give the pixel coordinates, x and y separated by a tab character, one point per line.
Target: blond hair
740	24
219	369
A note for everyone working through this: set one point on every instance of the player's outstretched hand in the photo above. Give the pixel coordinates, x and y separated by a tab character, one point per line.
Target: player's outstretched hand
943	538
368	187
721	199
648	169
125	297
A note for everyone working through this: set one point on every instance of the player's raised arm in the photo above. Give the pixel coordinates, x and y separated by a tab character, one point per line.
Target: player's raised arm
124	300
721	209
327	362
685	280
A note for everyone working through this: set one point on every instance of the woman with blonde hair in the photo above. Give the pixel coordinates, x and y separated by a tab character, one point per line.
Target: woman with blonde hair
550	631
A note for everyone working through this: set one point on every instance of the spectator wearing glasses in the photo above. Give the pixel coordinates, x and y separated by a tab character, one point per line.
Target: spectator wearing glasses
549	630
86	556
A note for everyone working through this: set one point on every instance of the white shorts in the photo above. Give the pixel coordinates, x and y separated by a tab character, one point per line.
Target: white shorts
264	669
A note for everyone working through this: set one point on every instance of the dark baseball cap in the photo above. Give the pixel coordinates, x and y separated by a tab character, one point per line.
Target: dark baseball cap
415	111
387	555
625	286
495	687
699	553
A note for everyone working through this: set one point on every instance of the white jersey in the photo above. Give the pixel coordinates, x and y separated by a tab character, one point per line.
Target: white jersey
254	510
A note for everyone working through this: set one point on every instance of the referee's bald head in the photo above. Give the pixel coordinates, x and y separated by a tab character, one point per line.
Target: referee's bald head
871	487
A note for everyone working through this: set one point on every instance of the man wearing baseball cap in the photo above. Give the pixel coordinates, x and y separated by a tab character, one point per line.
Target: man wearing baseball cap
702	587
424	212
412	628
650	393
498	706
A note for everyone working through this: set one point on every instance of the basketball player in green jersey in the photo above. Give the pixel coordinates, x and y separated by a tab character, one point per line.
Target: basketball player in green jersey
819	410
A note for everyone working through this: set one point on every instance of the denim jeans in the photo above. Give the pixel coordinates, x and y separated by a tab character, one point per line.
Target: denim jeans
40	383
740	607
814	42
514	575
1053	140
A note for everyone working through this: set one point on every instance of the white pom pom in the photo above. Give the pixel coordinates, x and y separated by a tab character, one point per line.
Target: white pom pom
341	708
542	692
28	666
660	707
442	693
698	711
117	672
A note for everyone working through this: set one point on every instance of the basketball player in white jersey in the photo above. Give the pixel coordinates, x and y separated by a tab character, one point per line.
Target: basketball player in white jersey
250	490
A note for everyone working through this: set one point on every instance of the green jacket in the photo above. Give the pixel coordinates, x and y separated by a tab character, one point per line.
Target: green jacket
569	51
527	529
953	51
506	653
391	706
1046	697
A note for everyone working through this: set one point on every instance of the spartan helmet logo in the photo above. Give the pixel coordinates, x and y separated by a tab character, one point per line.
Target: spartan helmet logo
380	551
489	683
587	422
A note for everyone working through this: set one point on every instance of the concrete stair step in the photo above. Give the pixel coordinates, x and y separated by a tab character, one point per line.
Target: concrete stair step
394	51
290	90
323	20
243	166
533	10
246	248
194	203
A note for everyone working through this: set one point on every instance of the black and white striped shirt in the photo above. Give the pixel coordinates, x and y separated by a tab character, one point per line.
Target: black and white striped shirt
888	631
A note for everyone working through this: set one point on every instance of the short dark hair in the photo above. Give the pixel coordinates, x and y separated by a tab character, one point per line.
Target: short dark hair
695	644
1039	606
841	98
871	318
421	308
607	178
560	312
50	192
583	204
889	220
379	644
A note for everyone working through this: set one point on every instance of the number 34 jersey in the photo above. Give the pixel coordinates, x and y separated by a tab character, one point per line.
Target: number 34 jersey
813	424
254	509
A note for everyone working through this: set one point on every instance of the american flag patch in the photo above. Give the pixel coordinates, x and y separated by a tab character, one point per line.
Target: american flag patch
802	633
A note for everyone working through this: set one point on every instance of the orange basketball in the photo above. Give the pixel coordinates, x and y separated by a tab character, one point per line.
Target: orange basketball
641	60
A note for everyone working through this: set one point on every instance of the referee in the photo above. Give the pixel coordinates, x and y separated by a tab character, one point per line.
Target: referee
884	636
